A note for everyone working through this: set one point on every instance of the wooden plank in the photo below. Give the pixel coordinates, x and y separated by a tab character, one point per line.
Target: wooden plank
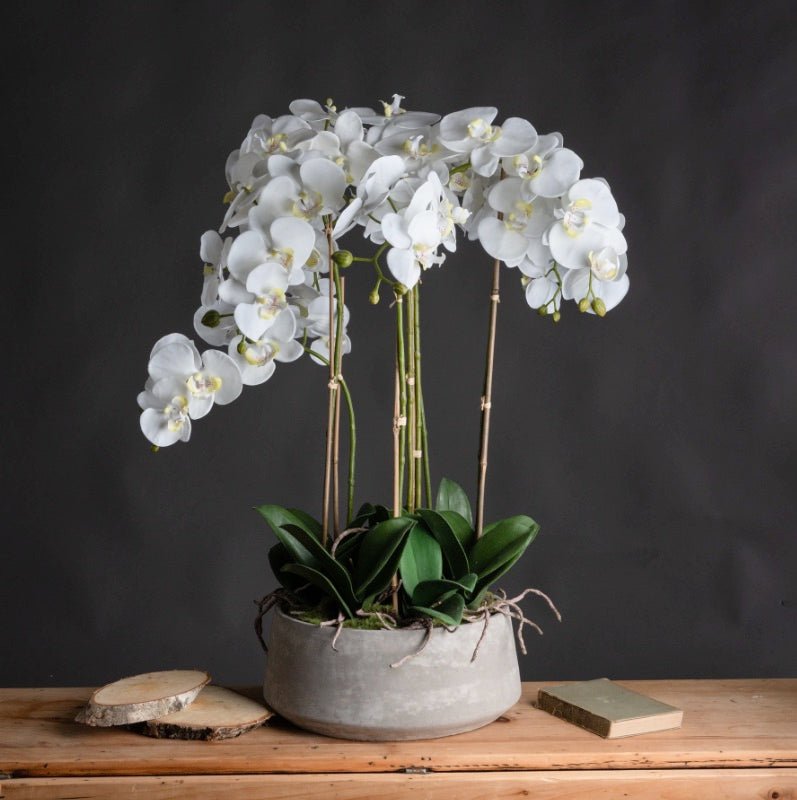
729	723
709	784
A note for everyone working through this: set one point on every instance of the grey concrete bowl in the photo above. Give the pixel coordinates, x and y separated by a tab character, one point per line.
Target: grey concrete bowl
354	692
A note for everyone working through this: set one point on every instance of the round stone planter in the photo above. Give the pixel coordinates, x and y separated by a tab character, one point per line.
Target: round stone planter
354	692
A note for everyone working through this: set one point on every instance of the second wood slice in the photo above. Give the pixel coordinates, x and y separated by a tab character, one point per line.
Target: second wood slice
217	713
142	697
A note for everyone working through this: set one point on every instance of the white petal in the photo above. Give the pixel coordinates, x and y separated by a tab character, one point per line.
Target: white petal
575	284
249	321
289	351
394	229
199	407
296	235
266	277
347	218
403	266
349	128
172	361
247	251
424	230
222	366
484	161
327	179
611	292
603	206
517	136
539	291
278	196
154	427
505	195
573	251
559	171
501	242
454	127
284	327
210	246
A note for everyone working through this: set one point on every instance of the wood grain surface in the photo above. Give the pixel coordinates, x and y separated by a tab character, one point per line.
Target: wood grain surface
727	724
682	784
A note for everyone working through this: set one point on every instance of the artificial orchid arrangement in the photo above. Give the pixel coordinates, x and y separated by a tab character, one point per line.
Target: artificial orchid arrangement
274	290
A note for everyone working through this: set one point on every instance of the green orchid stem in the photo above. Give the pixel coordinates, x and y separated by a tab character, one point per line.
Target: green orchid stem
338	354
352	429
412	398
461	168
402	371
423	437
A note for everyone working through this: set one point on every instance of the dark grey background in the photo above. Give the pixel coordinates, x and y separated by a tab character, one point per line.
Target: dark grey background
656	447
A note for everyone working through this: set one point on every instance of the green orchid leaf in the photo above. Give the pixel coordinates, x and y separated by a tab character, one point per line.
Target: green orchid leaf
323	562
500	547
451	497
277	516
322	582
369	515
279	557
421	559
432	593
310	524
448	612
446	535
379	555
461	527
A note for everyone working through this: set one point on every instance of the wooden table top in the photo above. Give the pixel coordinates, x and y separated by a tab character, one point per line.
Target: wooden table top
727	723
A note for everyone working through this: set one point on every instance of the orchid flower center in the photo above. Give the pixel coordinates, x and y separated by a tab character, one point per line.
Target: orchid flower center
394	108
528	169
283	256
176	413
518	219
258	354
308	204
605	264
417	148
424	254
459	182
483	132
575	218
200	384
271	303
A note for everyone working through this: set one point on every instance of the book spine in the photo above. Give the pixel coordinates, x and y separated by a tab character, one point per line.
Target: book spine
574	714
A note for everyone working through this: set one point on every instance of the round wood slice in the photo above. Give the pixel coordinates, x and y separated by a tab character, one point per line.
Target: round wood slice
217	713
143	697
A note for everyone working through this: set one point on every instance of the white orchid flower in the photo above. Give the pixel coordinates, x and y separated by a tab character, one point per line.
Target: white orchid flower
471	131
375	187
522	227
214	253
415	234
223	330
164	419
267	284
319	190
255	359
605	279
207	379
286	241
542	285
547	169
586	222
269	136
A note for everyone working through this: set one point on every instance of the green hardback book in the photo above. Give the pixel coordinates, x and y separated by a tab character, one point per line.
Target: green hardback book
608	709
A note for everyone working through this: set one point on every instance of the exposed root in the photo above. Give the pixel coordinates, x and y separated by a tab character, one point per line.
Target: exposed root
425	623
343	535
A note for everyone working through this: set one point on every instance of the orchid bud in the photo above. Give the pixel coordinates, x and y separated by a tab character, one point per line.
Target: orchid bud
373	298
556	316
211	319
583	305
599	307
400	289
154	448
542	311
241	348
343	258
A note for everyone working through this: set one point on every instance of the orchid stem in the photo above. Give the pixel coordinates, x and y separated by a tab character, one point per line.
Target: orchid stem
332	385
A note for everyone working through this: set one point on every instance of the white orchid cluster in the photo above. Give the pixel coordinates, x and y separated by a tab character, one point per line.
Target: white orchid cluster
409	180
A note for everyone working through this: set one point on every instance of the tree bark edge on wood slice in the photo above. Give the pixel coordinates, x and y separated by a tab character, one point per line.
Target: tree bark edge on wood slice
142	697
217	713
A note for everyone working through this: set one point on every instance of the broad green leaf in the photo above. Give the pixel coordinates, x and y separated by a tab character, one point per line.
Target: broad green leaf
321	581
310	524
431	593
448	612
461	527
447	538
504	541
379	555
421	559
279	557
277	516
324	562
499	549
451	497
369	515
